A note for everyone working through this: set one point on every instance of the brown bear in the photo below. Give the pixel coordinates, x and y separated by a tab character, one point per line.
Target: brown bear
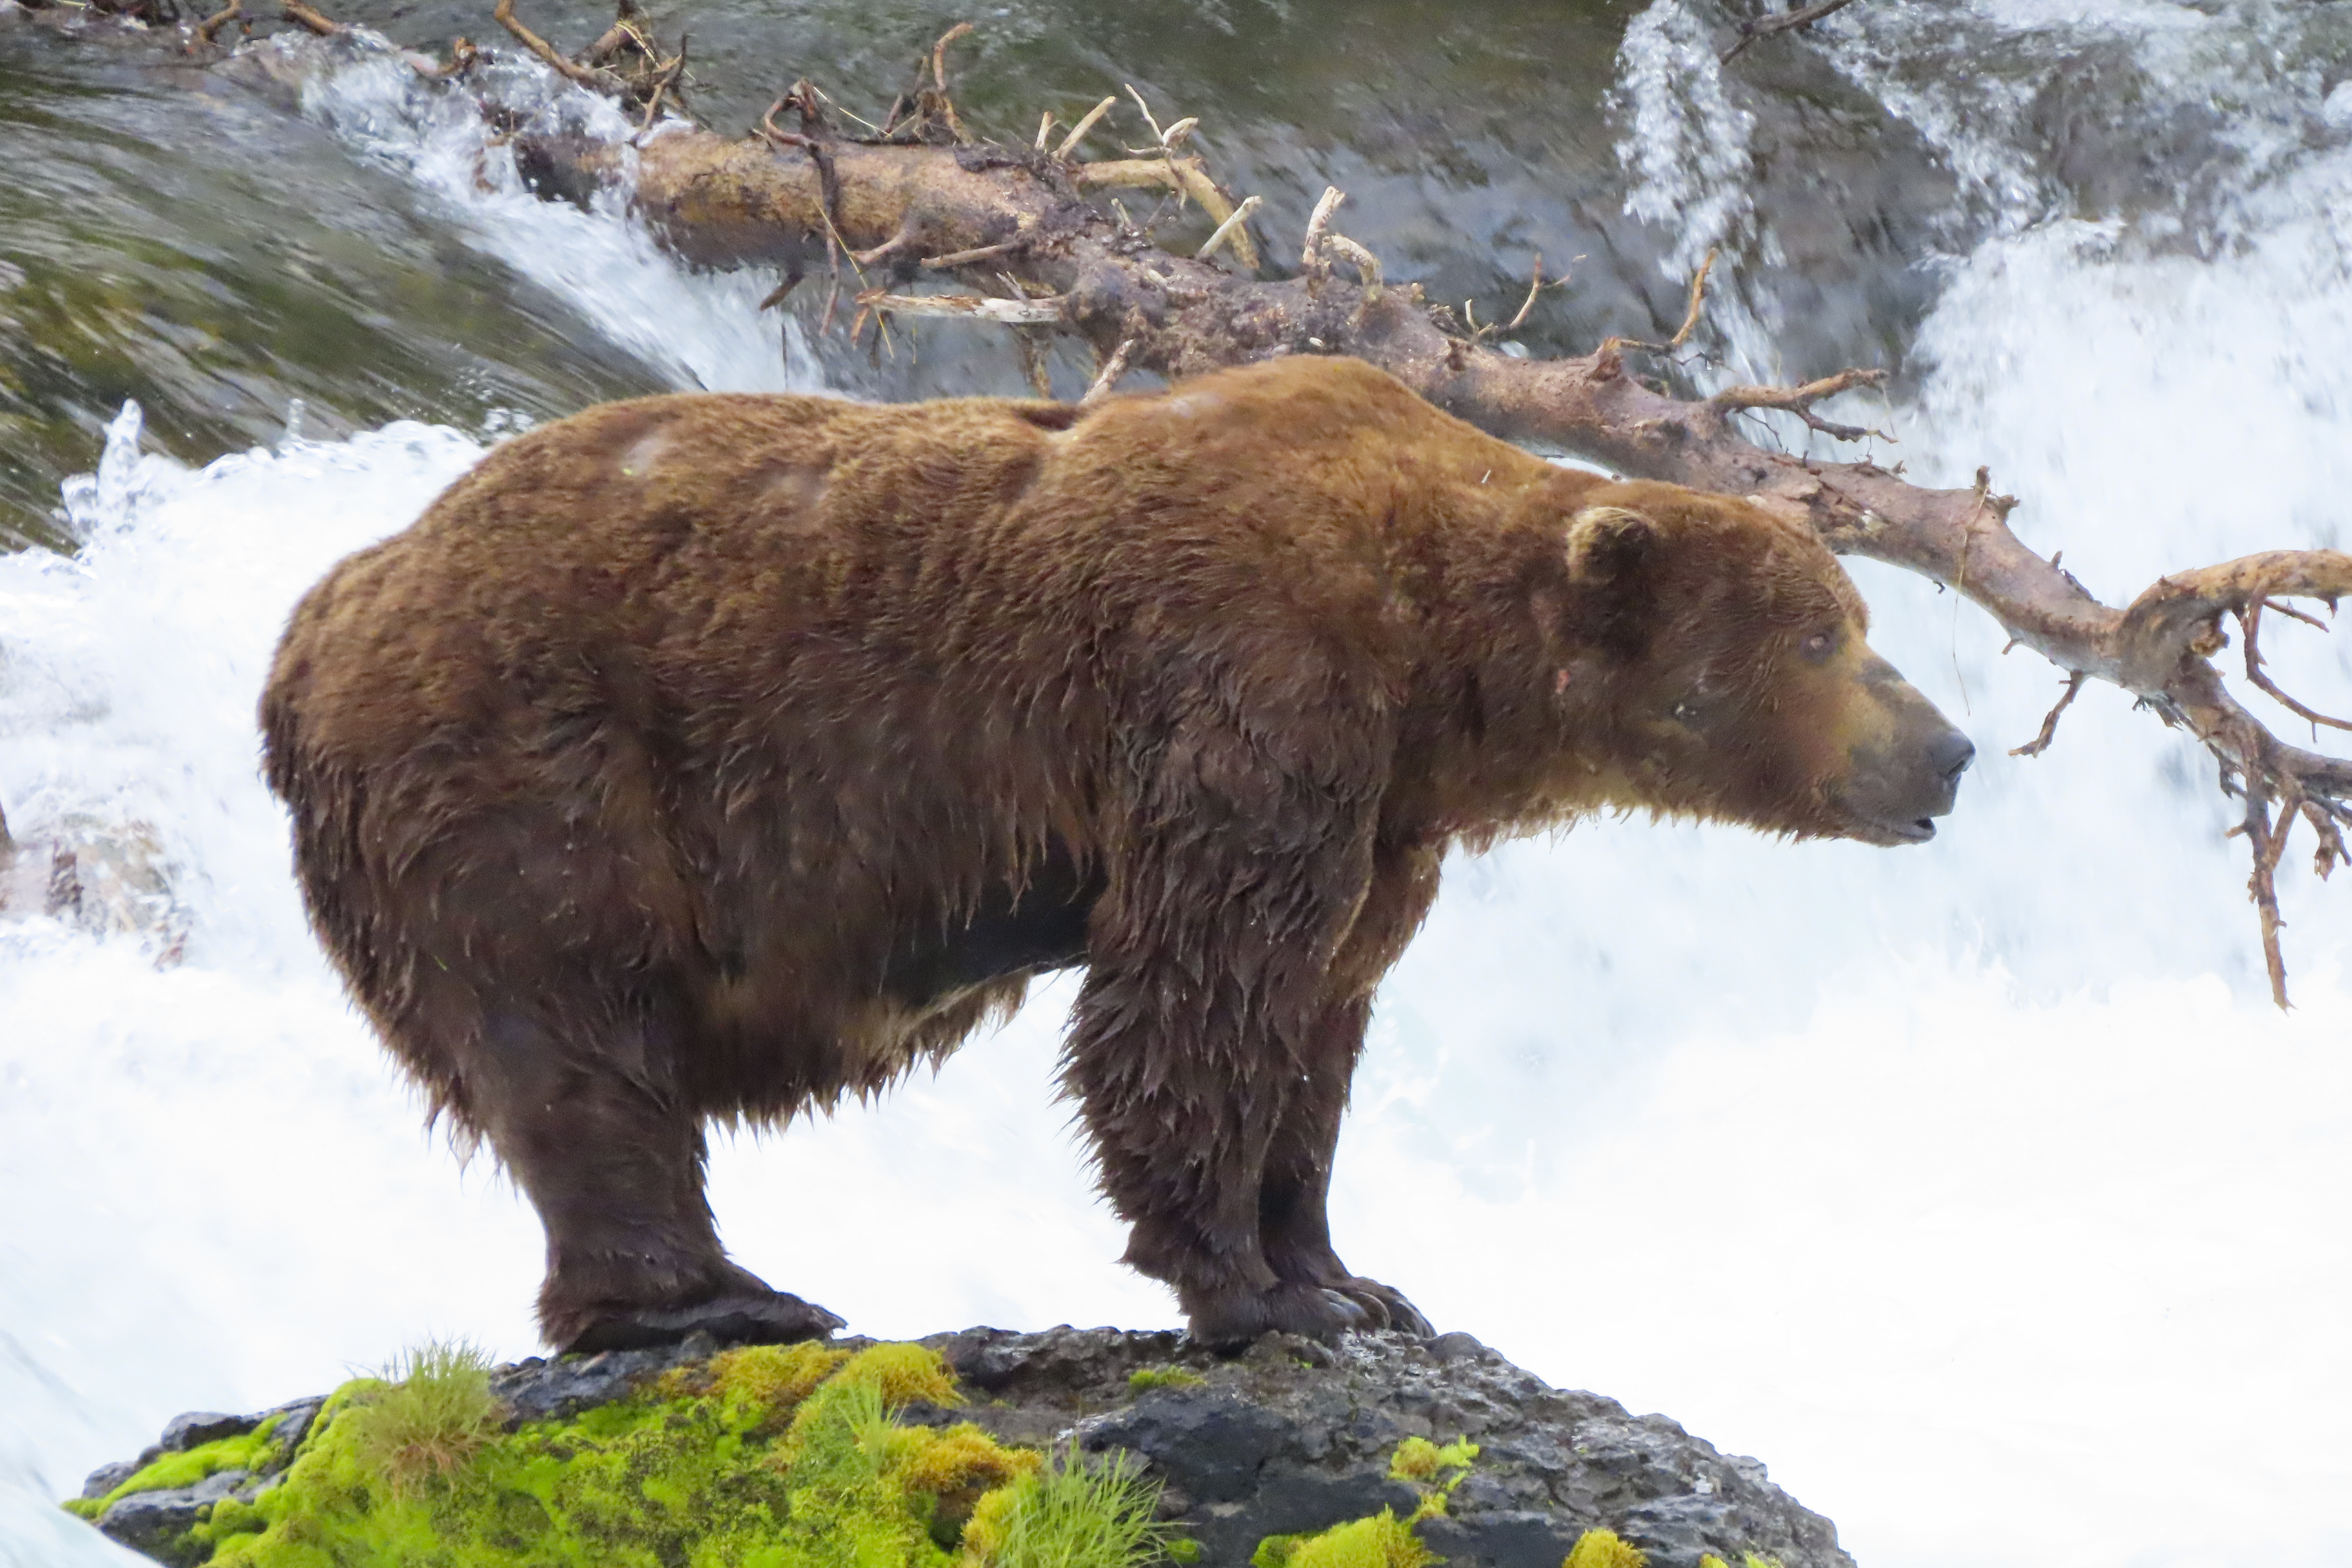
712	756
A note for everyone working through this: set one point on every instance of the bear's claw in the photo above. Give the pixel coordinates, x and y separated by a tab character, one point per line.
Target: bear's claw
736	1316
1312	1310
1387	1307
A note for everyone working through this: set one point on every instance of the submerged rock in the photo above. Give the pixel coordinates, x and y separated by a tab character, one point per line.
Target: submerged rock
1288	1439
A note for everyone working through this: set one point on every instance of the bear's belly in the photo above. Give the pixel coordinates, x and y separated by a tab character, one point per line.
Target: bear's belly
1043	927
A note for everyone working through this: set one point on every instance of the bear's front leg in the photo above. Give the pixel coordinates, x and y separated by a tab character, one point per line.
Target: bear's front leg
1292	1221
1208	955
1292	1205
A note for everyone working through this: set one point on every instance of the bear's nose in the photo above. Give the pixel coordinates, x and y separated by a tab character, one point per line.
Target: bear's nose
1952	755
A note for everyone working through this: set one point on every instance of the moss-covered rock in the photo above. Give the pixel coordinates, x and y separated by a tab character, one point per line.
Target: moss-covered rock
1064	1449
759	1458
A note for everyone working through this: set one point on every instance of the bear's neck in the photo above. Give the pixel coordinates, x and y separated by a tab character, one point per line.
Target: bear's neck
1511	725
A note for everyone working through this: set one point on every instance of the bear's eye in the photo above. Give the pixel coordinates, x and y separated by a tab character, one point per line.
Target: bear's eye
1817	647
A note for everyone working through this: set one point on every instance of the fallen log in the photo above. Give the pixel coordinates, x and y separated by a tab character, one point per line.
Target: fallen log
918	217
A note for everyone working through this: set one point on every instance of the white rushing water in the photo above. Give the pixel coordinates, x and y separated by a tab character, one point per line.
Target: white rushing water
1977	1187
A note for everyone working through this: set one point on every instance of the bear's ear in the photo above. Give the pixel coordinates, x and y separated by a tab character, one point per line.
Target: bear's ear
1610	549
1613	555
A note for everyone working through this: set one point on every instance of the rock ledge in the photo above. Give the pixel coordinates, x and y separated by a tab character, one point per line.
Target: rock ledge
1290	1437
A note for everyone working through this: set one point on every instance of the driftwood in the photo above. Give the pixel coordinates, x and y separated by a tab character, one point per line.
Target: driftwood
1010	231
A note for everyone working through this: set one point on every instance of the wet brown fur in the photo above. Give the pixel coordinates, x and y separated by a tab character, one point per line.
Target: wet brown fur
666	769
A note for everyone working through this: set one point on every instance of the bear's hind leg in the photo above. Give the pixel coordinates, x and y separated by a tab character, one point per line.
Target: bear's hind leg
614	1163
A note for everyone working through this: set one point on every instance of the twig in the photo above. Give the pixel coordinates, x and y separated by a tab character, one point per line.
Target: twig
1112	369
2250	620
1185	176
2041	743
665	78
1697	298
1766	26
1234	221
1535	286
221	18
304	16
1157	134
939	55
1799	400
980	253
1078	131
2268	840
596	80
1310	261
970	307
1367	265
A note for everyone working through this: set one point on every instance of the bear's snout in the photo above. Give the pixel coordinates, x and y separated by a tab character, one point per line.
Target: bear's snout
1905	767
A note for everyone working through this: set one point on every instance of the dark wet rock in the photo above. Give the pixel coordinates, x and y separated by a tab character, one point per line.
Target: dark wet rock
155	1524
1288	1438
293	1426
538	1389
1291	1436
106	1478
195	1429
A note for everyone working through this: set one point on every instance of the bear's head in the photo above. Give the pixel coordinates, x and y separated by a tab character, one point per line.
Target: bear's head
1724	648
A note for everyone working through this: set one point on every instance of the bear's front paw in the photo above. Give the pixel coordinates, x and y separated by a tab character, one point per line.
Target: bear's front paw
1236	1319
746	1312
1386	1306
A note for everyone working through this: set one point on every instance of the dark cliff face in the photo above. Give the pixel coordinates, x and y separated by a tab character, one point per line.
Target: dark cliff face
1288	1438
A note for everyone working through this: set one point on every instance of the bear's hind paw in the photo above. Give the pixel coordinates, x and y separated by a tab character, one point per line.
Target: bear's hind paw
1308	1309
738	1315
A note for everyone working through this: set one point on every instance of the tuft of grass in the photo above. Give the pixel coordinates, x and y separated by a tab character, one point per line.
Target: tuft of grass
1069	1515
1748	1560
433	1412
1144	1379
1602	1549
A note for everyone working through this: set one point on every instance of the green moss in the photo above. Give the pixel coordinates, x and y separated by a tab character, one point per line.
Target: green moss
763	1457
188	1466
1419	1459
1383	1540
1602	1549
1144	1379
1748	1560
